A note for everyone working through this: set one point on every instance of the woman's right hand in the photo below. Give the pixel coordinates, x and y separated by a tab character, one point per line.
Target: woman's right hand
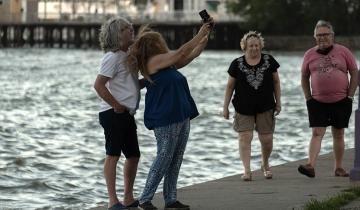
118	108
206	28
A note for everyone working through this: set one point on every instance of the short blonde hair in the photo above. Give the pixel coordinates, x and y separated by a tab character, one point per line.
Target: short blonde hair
110	37
249	34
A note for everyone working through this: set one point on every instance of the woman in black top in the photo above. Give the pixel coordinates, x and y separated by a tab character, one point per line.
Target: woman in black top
256	82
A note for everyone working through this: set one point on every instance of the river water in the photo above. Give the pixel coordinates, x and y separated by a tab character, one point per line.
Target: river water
52	147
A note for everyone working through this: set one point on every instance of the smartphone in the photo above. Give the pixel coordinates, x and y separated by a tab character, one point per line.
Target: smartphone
204	15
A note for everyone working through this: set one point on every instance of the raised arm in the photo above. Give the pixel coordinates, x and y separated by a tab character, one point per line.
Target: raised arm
228	94
161	61
195	53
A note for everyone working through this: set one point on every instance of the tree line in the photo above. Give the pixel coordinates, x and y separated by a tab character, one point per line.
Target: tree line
297	17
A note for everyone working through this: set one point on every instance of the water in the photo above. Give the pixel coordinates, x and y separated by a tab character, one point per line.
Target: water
52	147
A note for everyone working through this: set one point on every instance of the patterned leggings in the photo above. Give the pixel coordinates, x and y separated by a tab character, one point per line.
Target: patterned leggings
171	143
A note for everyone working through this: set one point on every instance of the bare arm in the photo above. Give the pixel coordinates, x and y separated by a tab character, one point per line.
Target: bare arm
228	94
104	93
195	53
277	92
161	61
353	82
305	84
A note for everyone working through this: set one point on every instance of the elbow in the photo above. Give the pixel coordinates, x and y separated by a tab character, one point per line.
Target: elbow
230	87
276	82
96	86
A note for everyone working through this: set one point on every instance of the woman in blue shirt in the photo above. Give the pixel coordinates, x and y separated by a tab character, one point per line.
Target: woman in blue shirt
169	107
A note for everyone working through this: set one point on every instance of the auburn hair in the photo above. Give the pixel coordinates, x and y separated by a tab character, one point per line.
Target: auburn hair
147	44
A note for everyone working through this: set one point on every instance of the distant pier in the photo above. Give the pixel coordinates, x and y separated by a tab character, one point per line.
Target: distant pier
225	36
50	35
85	35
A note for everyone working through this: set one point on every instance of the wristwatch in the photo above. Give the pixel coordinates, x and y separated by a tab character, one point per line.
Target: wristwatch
351	98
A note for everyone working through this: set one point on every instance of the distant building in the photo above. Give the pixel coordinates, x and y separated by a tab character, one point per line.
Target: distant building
99	10
30	11
187	10
10	11
16	11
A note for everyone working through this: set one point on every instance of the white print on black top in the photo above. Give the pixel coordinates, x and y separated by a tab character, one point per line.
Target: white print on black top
254	76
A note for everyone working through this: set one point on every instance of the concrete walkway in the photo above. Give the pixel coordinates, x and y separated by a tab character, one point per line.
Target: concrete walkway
287	190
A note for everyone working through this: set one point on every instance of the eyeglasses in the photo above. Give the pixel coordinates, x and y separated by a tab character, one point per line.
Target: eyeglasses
323	35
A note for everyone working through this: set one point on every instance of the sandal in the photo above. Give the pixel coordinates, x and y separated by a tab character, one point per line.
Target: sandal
246	177
307	170
341	172
267	173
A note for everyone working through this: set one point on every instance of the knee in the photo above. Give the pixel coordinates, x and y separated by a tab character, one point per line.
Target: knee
338	134
133	160
266	138
268	143
112	159
318	133
246	137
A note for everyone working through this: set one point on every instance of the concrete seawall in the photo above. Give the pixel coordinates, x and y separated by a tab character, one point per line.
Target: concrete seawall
287	190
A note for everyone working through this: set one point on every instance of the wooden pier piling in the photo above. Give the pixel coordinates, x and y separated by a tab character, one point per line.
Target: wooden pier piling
85	35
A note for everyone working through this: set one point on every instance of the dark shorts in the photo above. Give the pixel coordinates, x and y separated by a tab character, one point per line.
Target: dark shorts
120	133
335	114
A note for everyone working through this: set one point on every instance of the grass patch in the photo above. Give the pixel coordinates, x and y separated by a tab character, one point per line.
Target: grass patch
334	203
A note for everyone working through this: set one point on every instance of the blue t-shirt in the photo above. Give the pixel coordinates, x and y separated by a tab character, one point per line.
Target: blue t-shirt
168	99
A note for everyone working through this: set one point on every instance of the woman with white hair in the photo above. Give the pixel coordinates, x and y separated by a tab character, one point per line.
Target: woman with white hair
256	82
119	90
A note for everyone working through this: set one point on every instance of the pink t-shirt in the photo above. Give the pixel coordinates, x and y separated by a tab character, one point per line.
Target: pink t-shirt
329	73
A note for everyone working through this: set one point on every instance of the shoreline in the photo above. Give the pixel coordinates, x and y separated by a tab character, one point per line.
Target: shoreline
287	190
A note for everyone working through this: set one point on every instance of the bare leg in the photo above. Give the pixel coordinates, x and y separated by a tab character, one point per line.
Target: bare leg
266	141
130	168
245	138
315	144
338	145
110	178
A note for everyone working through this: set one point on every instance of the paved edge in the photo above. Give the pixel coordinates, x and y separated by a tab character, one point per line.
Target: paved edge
287	190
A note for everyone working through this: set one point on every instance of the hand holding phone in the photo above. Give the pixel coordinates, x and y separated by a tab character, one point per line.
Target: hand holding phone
205	16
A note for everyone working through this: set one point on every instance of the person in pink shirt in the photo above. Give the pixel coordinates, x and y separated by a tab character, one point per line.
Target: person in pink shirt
329	94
